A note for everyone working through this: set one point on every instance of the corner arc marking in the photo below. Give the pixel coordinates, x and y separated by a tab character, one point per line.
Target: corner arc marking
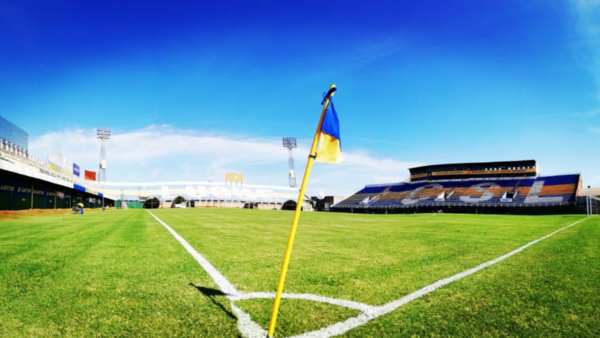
251	329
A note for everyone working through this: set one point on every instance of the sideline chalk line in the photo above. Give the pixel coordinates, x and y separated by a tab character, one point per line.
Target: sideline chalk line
251	329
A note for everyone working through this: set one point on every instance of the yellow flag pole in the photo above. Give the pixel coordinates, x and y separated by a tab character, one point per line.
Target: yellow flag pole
290	244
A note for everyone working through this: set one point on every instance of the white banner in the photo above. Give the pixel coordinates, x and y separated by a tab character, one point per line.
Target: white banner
60	160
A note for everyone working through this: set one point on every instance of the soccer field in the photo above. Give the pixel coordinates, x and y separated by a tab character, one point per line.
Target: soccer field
122	273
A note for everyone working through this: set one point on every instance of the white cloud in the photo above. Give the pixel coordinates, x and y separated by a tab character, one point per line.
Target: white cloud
594	130
162	153
587	114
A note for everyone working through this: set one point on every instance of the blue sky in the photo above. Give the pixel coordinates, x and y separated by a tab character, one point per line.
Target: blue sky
193	89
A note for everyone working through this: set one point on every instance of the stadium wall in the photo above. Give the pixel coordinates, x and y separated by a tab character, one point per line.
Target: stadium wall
224	204
203	194
466	209
19	192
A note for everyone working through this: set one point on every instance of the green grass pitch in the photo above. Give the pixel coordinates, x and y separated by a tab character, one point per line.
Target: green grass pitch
120	273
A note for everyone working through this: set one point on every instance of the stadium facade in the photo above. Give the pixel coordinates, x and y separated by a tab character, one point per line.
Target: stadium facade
484	187
202	194
525	168
13	135
27	182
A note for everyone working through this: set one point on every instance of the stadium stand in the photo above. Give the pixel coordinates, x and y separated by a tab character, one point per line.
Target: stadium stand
470	193
27	182
204	194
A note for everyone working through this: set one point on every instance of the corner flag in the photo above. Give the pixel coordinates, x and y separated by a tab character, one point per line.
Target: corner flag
330	150
330	144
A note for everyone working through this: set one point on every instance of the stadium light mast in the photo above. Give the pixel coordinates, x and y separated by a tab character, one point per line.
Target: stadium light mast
290	143
102	134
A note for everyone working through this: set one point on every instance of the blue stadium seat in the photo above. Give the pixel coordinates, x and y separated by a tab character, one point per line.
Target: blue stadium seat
539	191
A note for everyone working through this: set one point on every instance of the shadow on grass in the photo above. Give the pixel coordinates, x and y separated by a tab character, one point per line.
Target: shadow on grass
213	295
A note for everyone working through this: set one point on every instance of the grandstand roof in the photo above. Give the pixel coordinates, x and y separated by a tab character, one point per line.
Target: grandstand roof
467	164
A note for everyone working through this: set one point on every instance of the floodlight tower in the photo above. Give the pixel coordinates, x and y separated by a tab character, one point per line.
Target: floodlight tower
290	143
103	134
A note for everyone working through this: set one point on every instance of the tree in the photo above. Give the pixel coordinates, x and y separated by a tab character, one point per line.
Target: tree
289	205
152	203
179	200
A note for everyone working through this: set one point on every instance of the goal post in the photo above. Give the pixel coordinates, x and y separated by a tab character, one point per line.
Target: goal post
592	205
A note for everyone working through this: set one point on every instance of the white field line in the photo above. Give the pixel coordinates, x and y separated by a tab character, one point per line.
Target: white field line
246	325
341	327
315	298
251	329
219	279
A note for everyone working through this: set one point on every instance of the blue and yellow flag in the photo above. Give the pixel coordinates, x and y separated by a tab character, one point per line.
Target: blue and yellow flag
330	143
